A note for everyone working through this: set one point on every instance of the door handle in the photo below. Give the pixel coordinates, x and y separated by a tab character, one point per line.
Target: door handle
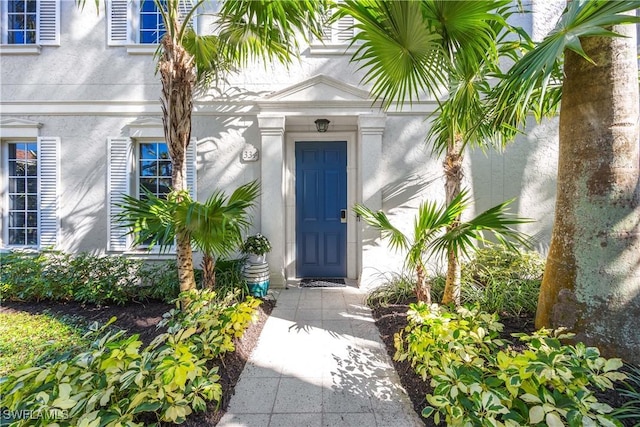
343	216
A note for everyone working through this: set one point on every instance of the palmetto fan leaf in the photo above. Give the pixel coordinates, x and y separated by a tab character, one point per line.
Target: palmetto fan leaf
538	72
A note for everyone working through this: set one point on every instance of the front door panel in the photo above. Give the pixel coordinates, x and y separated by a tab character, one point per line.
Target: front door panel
321	195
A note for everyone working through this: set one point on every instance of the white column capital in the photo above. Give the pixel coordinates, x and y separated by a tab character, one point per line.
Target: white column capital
271	125
372	124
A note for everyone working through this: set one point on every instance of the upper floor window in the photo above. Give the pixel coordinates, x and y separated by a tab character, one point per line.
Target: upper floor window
25	24
22	190
151	23
21	21
138	23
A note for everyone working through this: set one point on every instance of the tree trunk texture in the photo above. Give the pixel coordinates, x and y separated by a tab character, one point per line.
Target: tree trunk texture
423	288
178	78
591	283
454	173
208	272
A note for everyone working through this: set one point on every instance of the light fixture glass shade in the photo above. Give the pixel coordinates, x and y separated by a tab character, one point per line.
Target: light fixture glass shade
322	125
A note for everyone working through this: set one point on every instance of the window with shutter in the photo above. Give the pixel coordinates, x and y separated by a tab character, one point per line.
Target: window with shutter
28	24
31	197
144	162
138	25
336	37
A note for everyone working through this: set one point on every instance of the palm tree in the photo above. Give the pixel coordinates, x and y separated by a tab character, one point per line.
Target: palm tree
215	227
409	48
247	30
437	230
591	282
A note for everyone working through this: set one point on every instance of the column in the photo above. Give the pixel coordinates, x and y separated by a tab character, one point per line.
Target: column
272	206
370	131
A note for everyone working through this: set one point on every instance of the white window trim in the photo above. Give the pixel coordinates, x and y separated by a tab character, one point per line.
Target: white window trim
47	30
48	178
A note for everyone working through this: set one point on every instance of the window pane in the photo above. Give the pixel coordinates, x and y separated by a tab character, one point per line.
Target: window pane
149	22
165	168
150	184
32	169
31	6
32	203
12	167
164	185
32	236
16	22
17	237
16	185
16	219
32	185
163	151
17	202
32	219
148	6
30	37
148	168
148	151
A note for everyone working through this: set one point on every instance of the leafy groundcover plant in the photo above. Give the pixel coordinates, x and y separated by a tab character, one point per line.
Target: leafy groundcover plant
479	379
116	382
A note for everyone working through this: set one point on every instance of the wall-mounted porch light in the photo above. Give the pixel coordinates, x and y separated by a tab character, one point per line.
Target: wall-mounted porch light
322	125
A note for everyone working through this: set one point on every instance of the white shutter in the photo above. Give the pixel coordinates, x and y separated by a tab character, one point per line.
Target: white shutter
48	148
117	22
192	170
184	6
344	30
49	22
119	161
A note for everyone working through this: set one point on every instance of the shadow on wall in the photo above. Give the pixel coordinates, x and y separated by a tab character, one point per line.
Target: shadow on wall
526	171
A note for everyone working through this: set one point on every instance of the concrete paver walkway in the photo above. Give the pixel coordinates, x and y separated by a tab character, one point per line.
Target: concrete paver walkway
320	362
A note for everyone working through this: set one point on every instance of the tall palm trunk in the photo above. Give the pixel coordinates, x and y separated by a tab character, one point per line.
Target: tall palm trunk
178	78
591	282
453	173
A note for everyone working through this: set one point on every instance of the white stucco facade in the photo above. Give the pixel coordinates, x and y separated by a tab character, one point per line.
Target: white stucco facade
90	101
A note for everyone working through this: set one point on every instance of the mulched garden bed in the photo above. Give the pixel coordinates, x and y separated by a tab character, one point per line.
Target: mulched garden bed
393	318
142	318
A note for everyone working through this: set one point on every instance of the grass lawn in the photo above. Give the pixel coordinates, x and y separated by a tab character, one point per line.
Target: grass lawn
25	337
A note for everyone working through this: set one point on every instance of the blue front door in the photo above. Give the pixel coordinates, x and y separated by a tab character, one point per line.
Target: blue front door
321	203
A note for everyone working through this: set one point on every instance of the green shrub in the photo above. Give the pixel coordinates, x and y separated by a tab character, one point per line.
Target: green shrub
117	383
477	380
229	278
397	287
85	278
630	410
499	280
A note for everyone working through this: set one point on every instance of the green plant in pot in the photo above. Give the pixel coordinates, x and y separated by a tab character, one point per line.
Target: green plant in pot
256	247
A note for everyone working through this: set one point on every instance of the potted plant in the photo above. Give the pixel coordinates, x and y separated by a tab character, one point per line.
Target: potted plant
256	247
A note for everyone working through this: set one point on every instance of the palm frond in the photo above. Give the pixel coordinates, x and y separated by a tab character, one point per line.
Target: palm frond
380	221
402	55
497	221
536	78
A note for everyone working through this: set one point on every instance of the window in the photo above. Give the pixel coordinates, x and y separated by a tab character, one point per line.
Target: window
28	186
27	24
138	164
138	23
336	37
151	23
21	21
154	169
22	180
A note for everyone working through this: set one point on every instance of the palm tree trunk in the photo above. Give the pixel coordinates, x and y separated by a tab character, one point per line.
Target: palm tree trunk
591	283
423	288
208	271
453	181
178	78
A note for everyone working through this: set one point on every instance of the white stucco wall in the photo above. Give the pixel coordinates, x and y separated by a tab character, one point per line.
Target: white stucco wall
85	92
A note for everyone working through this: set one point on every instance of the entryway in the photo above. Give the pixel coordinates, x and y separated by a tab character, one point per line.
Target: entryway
321	208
